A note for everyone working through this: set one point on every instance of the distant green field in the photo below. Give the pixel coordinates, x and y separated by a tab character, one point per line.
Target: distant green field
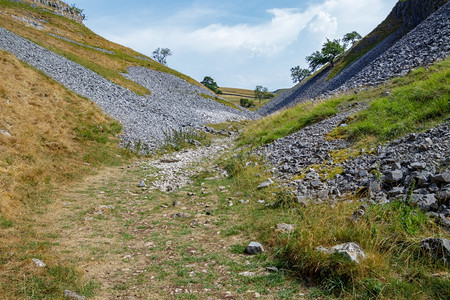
234	95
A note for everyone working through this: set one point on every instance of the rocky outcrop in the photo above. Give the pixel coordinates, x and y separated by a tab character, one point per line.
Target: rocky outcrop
61	8
421	46
411	13
428	42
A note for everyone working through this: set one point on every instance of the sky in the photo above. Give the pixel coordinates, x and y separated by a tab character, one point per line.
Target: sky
239	43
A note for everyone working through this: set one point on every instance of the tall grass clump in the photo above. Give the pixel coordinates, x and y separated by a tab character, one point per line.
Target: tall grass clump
390	236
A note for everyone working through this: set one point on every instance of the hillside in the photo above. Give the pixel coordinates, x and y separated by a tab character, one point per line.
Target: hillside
394	35
82	61
123	179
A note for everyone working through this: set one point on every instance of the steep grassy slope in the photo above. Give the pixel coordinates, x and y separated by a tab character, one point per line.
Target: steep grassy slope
76	42
394	36
417	101
48	137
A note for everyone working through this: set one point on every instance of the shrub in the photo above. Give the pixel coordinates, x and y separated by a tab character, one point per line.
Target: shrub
246	102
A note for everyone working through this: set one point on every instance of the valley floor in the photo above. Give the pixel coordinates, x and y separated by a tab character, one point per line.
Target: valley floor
143	243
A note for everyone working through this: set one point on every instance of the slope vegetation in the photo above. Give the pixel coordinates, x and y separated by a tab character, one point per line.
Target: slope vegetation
48	136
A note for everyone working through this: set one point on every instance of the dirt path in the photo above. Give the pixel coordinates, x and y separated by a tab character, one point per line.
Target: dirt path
144	243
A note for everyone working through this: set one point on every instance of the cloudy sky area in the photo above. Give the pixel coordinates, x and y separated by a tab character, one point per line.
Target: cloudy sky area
239	43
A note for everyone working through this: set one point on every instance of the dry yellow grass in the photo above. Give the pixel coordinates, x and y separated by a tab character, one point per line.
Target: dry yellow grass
243	93
39	144
234	95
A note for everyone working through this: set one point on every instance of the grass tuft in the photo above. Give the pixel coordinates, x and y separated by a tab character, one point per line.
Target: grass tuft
176	140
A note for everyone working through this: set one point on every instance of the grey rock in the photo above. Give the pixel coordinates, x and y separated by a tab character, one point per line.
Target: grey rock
285	228
418	165
443	177
414	44
173	103
5	132
272	269
439	248
443	196
374	186
427	202
181	215
422	178
351	250
39	263
265	184
254	248
141	184
72	295
396	191
394	176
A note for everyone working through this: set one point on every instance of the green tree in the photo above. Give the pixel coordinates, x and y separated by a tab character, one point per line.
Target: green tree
351	37
315	60
161	54
330	50
260	92
211	84
298	74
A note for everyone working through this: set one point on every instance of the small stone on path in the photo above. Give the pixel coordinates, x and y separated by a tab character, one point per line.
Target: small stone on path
72	295
141	184
38	262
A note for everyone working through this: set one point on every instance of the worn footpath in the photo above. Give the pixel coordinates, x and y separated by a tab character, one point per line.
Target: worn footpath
147	231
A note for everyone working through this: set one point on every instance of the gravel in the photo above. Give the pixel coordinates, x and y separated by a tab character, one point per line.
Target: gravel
415	168
175	170
173	103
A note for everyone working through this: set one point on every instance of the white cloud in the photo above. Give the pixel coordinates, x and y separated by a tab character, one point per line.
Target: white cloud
323	23
261	39
249	52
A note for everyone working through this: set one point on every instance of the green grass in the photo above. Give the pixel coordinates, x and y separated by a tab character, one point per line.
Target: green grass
5	223
178	139
417	102
281	124
390	235
52	283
